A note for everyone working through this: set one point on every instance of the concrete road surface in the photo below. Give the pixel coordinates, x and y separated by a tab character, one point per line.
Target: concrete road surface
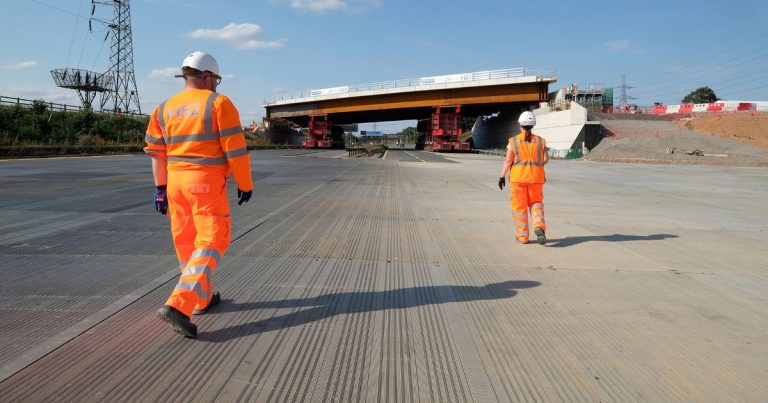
391	279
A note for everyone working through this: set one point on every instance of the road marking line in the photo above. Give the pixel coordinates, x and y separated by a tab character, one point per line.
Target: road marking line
415	157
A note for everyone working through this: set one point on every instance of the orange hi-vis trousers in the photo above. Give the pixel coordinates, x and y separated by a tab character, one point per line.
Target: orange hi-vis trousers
200	225
522	197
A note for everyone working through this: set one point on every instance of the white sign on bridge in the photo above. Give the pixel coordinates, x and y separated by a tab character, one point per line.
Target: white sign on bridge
330	91
451	78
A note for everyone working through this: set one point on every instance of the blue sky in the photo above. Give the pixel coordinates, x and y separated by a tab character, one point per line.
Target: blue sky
266	47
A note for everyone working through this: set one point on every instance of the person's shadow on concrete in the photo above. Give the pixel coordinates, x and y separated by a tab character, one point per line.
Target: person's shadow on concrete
570	241
329	305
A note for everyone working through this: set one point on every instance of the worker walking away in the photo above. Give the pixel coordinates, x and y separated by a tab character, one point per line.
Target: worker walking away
195	140
526	157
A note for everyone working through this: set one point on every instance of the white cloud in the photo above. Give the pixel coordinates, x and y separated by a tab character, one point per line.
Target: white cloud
321	6
22	66
240	36
616	46
165	73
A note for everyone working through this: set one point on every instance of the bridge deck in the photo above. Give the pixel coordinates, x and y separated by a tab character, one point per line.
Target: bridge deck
356	279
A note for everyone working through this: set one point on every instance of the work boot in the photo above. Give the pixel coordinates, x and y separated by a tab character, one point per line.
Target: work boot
179	322
214	301
540	237
522	241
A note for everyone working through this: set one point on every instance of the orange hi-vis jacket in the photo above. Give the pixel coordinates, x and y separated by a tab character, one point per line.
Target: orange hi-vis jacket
200	129
530	157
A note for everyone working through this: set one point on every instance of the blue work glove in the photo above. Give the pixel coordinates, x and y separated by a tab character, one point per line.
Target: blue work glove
161	199
244	196
501	183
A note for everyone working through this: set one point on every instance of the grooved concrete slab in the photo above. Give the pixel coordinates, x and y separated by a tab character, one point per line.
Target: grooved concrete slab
391	279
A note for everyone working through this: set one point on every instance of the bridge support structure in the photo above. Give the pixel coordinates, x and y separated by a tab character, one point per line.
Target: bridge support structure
318	132
443	129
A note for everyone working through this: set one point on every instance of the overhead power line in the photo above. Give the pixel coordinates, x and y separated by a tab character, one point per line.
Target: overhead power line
758	79
707	58
720	88
701	77
74	30
707	70
118	84
728	94
59	9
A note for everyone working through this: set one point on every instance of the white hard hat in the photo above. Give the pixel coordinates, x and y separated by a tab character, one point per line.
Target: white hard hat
201	61
527	118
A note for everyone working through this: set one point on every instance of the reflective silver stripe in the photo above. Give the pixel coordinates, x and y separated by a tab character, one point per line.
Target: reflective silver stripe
208	116
537	212
192	287
192	270
231	131
161	119
529	163
236	153
517	151
184	138
206	252
538	152
200	160
154	140
521	223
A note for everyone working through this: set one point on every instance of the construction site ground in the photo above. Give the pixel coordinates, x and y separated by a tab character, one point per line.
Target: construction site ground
391	279
735	139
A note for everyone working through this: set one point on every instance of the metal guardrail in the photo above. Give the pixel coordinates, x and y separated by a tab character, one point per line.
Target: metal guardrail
55	107
27	103
413	82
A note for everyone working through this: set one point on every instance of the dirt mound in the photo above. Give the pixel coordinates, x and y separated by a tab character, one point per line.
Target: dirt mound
747	128
661	141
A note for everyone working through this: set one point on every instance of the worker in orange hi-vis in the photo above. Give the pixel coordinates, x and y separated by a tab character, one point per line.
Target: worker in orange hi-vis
526	157
195	140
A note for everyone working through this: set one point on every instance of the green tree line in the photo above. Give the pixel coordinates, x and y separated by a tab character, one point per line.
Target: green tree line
39	126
